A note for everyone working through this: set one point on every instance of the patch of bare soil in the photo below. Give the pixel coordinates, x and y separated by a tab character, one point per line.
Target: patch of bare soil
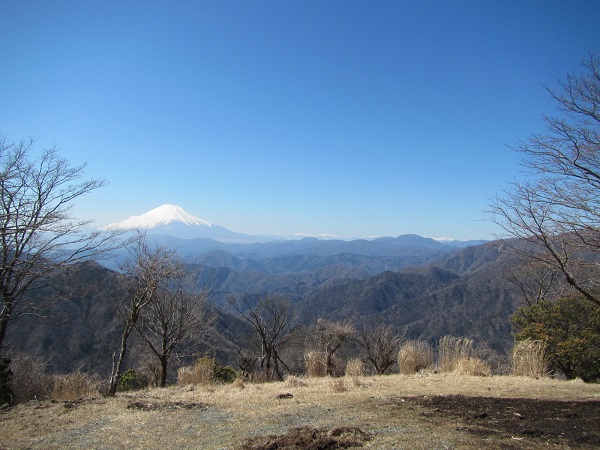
310	439
570	423
161	406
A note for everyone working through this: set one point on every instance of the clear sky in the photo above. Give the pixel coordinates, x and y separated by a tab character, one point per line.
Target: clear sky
354	118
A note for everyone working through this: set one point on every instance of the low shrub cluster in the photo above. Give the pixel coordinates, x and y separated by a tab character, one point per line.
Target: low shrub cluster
206	371
29	379
455	355
132	380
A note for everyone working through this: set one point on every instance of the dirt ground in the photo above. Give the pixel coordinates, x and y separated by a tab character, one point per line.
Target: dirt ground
426	411
572	424
562	423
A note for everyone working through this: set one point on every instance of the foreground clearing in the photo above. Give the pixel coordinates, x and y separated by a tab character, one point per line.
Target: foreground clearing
396	411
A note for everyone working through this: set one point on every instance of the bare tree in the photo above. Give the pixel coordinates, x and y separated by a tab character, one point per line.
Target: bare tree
175	315
329	338
556	213
270	317
380	344
535	280
39	237
146	271
246	361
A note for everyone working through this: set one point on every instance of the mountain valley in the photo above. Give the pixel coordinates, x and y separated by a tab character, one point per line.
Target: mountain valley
419	285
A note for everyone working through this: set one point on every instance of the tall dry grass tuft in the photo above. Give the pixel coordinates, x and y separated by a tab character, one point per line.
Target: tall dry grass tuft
355	368
473	366
75	386
415	356
200	373
529	359
316	364
451	350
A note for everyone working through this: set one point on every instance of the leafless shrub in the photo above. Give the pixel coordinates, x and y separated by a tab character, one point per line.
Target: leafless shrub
316	364
451	350
271	319
529	359
29	378
415	356
74	386
246	361
380	345
329	337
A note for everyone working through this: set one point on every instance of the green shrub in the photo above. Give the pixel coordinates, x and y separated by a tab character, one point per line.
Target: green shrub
132	381
570	328
224	374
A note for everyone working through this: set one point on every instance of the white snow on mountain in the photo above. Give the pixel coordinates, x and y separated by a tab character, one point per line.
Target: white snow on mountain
163	215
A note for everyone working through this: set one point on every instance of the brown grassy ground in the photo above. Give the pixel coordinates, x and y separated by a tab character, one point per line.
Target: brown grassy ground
397	411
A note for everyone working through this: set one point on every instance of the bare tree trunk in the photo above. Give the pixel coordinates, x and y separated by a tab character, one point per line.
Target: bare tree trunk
4	320
114	378
164	363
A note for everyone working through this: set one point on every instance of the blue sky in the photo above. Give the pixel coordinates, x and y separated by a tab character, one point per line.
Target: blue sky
341	117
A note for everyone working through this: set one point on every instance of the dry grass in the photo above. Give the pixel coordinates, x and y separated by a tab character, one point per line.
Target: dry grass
529	359
472	366
200	373
294	382
75	386
415	356
223	416
29	379
338	385
316	364
451	350
355	368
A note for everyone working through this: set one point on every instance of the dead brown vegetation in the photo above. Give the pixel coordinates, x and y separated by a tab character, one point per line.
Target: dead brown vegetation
393	411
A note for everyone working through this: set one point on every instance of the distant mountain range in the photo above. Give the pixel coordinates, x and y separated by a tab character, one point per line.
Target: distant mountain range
427	287
173	221
463	293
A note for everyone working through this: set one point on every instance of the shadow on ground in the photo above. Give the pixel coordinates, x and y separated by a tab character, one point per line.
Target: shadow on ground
574	424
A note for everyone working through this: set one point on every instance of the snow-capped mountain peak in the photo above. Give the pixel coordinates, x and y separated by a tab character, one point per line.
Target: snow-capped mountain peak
163	215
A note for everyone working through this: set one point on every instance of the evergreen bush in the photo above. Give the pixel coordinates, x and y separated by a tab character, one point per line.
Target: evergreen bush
132	381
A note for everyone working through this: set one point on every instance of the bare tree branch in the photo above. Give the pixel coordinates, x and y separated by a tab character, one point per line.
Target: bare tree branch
39	237
555	215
